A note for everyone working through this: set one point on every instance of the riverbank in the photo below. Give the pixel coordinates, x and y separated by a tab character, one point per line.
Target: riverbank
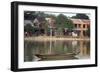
53	38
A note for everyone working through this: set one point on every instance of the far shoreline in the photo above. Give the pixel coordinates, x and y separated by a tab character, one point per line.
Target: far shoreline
54	38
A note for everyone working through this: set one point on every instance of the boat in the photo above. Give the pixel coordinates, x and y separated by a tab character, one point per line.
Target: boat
56	56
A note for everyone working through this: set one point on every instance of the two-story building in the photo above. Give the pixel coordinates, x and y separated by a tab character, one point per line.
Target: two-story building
81	26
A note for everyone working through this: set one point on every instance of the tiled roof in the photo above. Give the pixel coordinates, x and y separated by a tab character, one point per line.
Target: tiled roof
81	21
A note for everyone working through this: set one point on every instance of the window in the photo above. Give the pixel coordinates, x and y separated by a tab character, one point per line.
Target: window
84	26
75	25
79	25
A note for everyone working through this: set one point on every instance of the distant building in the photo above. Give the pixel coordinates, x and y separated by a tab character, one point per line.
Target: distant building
51	25
52	22
39	22
81	26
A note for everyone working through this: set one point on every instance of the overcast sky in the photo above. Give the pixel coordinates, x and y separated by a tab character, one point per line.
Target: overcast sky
67	13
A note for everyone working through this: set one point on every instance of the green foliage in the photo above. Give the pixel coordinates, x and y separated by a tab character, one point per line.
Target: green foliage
88	32
80	16
28	28
70	24
64	22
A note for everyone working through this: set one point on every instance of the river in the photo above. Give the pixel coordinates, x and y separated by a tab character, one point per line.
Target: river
56	50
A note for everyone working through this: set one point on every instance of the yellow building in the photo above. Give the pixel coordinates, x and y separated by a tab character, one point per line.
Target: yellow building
81	25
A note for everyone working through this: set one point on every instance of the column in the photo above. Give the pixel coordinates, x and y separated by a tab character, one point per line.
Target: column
81	31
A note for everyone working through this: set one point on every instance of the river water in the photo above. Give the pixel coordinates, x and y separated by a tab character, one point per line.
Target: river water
56	50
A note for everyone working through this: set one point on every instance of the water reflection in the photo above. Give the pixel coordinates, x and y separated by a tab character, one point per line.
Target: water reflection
56	50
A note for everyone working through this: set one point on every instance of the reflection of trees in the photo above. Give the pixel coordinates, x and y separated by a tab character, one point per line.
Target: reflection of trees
58	49
28	51
64	47
81	48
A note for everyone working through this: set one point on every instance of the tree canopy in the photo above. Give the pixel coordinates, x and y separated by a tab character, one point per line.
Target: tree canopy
28	28
64	22
80	16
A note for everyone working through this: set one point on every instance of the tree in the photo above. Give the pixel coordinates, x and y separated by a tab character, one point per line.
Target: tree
64	22
88	32
69	24
80	16
30	15
28	28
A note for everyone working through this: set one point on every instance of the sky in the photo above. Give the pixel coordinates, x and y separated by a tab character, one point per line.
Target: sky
66	14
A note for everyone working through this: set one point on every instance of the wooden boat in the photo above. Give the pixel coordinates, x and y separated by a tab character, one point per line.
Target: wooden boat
56	56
